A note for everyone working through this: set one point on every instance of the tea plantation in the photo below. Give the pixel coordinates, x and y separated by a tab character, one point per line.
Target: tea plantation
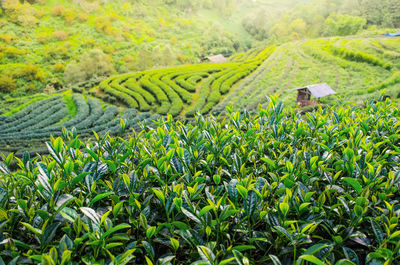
29	128
356	67
272	188
171	89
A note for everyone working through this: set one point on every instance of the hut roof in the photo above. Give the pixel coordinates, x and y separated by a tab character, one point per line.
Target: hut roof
217	58
318	90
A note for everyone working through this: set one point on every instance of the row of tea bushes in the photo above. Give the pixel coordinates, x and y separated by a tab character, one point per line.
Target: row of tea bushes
173	90
48	117
274	188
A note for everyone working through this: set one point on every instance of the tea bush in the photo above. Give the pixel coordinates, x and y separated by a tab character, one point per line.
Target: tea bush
174	90
274	188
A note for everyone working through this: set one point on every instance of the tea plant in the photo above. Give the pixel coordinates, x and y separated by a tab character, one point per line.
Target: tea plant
274	188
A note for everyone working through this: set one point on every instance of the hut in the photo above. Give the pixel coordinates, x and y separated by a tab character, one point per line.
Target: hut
318	91
216	59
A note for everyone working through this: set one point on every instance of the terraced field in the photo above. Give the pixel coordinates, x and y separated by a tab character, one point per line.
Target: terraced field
181	90
356	68
29	128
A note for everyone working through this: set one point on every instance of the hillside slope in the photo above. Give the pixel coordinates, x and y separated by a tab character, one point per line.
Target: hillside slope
40	43
356	67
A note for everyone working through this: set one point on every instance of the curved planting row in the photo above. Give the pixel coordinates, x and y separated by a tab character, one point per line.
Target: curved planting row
48	117
180	90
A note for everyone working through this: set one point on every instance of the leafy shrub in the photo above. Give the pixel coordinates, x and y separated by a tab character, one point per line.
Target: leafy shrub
60	35
7	83
22	14
59	68
92	64
12	52
58	11
43	38
360	57
343	25
8	39
69	17
82	17
31	72
74	74
103	25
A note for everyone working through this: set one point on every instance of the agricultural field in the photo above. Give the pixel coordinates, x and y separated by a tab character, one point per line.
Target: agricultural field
356	67
274	188
27	129
167	132
183	90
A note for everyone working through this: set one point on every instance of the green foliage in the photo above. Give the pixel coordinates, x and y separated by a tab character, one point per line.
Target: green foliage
292	20
92	64
27	126
7	83
49	33
360	57
355	67
273	188
343	25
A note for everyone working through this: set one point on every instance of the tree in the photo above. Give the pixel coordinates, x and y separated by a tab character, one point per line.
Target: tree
382	12
7	83
299	26
92	64
342	25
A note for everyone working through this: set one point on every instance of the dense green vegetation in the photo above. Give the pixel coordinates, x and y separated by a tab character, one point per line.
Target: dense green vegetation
123	142
356	67
286	20
170	89
49	44
31	126
274	188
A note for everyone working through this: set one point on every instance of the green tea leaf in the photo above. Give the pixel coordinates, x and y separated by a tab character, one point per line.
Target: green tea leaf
242	248
190	215
354	183
205	210
100	197
91	214
312	259
115	229
275	260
